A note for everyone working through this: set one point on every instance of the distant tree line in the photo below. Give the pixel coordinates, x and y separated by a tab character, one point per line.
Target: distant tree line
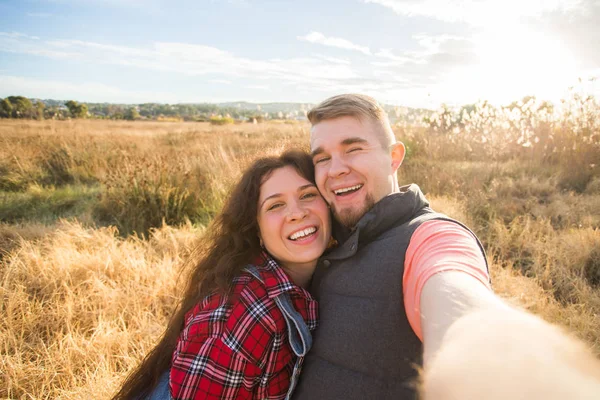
155	111
22	107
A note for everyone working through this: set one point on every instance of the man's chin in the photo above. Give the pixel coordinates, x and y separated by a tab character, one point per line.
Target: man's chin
349	217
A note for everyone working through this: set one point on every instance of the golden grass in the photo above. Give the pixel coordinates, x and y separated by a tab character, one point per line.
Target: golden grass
81	302
80	306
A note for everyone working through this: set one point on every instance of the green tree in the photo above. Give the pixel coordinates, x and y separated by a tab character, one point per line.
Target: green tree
72	105
5	108
21	107
132	114
39	107
55	112
77	110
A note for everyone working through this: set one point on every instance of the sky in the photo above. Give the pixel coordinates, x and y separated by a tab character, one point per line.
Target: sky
404	52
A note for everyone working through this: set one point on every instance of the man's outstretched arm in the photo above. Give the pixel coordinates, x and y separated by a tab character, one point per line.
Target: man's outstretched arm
477	347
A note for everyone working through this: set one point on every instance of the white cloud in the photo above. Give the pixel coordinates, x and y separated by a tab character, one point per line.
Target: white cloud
39	15
221	81
387	53
499	68
437	56
184	58
110	3
15	42
512	48
577	30
80	43
334	60
257	87
476	12
153	7
89	92
319	38
433	43
238	3
17	35
488	64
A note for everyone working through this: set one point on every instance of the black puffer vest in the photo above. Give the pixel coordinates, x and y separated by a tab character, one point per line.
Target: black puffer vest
364	347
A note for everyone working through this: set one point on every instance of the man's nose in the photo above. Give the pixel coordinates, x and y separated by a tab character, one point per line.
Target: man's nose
337	167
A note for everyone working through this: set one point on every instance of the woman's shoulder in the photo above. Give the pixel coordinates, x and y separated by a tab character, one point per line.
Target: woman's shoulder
255	323
247	306
251	303
247	320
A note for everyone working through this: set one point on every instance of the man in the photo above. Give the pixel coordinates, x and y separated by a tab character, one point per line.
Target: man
403	280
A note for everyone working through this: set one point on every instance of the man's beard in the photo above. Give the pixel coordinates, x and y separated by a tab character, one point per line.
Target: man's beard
349	217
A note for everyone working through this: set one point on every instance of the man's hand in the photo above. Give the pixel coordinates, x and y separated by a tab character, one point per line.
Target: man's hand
446	297
482	349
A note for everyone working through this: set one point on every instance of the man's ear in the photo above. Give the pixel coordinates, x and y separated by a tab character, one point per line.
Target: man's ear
398	152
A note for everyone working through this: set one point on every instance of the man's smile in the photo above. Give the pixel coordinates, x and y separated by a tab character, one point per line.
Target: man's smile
343	191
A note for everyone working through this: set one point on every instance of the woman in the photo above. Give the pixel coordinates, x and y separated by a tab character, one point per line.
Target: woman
243	325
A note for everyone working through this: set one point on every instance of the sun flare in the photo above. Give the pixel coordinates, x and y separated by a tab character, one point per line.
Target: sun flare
518	61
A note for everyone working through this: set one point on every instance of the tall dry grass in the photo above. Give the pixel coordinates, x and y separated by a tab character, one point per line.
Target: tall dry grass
143	173
97	219
80	305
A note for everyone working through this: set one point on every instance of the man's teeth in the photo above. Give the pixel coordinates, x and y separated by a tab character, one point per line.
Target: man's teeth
303	233
348	189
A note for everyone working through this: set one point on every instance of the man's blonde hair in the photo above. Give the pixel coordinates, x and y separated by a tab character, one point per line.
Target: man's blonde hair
358	106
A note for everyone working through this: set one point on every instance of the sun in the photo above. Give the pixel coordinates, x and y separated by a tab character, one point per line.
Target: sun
514	61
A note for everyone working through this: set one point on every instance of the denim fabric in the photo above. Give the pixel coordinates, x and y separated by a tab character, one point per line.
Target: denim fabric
161	390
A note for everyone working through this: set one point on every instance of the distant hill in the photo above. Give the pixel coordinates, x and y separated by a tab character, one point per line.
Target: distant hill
267	107
395	112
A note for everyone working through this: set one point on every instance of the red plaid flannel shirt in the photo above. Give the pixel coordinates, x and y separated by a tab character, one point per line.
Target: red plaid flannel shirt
237	347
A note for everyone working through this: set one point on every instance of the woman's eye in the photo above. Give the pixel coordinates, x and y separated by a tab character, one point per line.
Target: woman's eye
354	149
274	206
308	196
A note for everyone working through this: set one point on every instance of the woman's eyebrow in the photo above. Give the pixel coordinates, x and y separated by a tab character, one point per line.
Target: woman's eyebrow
274	195
317	151
303	187
270	197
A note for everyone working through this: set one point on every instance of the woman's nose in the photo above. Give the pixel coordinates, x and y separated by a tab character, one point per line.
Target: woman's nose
296	212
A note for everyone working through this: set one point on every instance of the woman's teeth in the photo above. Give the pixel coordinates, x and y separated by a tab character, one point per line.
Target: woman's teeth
303	233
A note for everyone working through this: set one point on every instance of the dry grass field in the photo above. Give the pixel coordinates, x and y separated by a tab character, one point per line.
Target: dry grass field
99	218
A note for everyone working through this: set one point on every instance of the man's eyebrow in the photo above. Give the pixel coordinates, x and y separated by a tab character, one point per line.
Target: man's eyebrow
345	142
354	140
317	151
275	195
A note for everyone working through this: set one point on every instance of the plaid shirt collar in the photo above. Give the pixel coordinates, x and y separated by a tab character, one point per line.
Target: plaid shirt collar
275	279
